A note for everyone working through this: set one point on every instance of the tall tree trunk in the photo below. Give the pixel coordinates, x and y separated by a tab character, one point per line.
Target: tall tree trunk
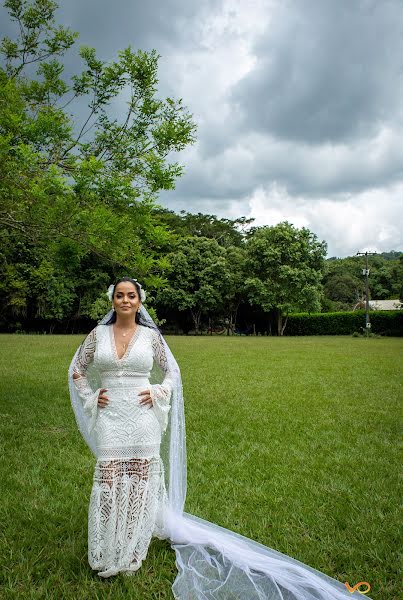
196	316
281	322
284	325
280	326
233	322
232	319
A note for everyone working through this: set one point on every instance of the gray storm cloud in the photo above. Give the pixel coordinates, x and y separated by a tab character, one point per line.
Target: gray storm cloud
327	72
302	96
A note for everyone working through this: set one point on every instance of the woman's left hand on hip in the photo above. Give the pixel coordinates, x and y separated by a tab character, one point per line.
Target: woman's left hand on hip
145	398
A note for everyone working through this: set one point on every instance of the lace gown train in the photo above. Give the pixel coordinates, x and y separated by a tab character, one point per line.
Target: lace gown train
128	497
129	503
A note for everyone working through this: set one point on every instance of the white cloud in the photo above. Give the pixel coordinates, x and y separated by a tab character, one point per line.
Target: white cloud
371	220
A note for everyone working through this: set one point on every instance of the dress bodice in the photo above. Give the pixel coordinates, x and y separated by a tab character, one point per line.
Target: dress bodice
136	362
132	370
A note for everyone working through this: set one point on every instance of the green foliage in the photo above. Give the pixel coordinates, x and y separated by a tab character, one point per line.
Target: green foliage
235	287
79	196
40	38
388	323
285	267
53	293
344	283
343	288
99	308
227	232
127	157
199	272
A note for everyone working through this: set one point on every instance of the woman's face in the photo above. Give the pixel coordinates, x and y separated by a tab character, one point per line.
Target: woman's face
126	299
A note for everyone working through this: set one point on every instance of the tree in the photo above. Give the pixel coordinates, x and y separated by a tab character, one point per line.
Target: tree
286	266
199	271
227	232
343	288
91	184
385	278
235	289
57	171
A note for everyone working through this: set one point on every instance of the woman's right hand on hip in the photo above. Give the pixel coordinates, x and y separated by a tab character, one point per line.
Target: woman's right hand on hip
102	399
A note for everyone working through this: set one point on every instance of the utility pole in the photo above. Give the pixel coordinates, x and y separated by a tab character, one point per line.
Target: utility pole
366	273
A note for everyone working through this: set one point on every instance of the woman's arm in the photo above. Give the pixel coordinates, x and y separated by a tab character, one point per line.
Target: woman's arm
84	358
161	393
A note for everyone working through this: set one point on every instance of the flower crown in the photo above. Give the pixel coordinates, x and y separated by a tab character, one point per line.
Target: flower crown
111	288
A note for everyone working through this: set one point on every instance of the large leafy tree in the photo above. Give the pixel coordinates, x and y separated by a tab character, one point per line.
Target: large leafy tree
227	232
285	267
234	289
344	290
198	278
81	184
118	157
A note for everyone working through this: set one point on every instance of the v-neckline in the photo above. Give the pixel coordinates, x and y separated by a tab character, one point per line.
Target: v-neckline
129	345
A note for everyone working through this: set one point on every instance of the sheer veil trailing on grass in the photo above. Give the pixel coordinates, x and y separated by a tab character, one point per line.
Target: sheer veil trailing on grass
213	563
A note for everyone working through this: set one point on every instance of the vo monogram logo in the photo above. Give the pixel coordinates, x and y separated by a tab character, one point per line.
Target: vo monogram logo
357	585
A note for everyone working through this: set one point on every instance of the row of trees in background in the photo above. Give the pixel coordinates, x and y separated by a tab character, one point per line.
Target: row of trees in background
274	269
79	190
228	269
344	284
209	273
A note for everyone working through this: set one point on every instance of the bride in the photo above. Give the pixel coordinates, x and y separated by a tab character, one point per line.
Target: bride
126	392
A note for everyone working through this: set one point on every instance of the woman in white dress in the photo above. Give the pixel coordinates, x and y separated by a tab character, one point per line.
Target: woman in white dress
128	417
136	429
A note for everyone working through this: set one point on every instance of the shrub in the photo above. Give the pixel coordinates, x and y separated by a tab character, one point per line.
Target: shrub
383	322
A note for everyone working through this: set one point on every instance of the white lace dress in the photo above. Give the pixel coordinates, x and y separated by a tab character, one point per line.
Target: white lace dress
128	495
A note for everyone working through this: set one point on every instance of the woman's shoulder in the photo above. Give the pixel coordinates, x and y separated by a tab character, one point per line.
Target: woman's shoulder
145	330
99	331
148	332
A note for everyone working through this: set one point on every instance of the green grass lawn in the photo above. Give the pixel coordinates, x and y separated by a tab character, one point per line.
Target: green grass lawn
291	441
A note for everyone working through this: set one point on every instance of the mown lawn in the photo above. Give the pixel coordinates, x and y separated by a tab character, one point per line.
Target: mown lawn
292	442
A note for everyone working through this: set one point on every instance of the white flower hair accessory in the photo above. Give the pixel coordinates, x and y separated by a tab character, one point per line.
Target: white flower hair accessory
142	294
111	288
109	293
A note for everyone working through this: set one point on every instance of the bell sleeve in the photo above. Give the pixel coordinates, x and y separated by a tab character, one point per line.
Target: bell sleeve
161	393
84	358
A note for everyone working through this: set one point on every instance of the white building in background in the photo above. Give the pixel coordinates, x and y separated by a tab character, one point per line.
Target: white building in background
385	305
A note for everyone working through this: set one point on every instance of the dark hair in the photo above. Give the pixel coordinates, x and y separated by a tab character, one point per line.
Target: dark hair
138	289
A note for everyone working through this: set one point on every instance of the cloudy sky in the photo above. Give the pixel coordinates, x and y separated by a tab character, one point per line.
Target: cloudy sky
299	106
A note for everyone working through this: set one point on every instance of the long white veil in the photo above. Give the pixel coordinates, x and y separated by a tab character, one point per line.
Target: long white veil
214	563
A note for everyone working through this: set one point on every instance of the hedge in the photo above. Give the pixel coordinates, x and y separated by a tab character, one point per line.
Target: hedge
383	322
